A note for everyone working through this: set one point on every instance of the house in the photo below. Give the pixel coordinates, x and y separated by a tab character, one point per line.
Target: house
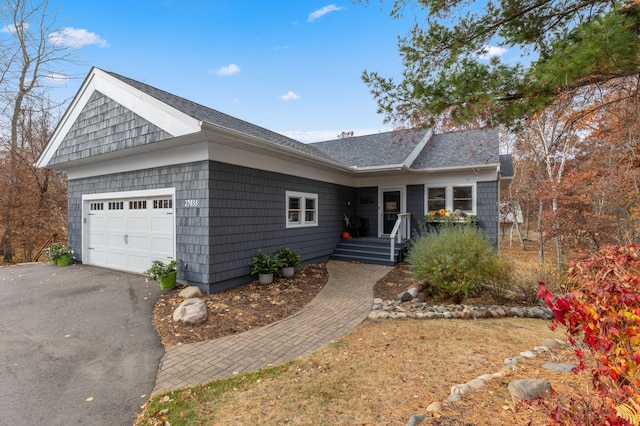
155	176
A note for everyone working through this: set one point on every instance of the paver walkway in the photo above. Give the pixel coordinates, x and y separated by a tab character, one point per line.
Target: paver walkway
343	303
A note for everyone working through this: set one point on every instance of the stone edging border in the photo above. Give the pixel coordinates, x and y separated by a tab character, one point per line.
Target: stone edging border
525	389
397	309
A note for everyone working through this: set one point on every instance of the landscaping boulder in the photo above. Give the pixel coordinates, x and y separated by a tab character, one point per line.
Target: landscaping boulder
191	311
191	291
529	389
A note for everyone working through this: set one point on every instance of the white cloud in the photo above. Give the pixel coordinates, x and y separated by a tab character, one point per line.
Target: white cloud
289	96
317	14
56	78
9	29
230	69
490	51
76	37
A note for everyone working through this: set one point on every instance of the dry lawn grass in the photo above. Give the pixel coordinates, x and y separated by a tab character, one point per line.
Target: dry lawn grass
381	374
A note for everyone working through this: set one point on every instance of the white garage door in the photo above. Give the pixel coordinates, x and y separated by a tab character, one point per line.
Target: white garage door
128	234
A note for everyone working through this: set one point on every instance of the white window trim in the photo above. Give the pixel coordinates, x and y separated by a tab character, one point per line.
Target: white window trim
449	197
303	197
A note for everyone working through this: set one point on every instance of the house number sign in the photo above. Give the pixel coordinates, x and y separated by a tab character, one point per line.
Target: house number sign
191	203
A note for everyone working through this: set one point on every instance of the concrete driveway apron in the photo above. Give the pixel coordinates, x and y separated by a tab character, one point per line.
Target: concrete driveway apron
77	345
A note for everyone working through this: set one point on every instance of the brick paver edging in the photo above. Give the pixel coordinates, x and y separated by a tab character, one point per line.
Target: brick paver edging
343	303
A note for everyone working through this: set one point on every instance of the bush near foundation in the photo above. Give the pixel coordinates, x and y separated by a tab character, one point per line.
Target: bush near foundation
601	312
455	261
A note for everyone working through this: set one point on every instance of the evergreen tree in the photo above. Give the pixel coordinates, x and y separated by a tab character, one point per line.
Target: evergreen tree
566	46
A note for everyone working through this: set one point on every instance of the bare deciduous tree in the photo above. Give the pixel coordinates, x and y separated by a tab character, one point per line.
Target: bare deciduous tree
29	55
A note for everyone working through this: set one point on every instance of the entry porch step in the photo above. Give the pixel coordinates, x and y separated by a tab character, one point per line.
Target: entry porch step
369	250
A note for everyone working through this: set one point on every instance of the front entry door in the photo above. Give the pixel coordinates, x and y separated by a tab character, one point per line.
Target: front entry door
391	207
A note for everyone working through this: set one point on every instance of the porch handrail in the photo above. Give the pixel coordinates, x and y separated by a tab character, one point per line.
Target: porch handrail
401	231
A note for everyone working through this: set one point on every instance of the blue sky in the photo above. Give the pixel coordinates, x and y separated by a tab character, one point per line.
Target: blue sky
291	66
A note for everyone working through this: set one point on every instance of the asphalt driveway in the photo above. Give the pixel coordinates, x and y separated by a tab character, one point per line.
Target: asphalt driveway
77	345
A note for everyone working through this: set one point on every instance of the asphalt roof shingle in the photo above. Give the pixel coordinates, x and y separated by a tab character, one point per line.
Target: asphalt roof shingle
379	149
459	149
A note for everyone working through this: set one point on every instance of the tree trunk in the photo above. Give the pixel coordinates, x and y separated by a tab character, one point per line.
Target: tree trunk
540	234
515	219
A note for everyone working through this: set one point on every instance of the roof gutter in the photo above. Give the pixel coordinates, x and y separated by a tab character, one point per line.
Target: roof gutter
458	168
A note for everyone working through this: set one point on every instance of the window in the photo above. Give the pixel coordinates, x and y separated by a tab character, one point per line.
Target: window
138	205
163	204
437	199
116	205
451	198
97	206
463	198
302	209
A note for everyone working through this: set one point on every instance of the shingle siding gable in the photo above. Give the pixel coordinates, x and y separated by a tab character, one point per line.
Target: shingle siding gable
105	126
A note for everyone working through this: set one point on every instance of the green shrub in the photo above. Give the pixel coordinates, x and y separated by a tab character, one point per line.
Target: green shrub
455	261
265	264
56	251
288	257
159	270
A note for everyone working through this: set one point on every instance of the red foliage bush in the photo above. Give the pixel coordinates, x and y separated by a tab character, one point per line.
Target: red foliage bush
602	310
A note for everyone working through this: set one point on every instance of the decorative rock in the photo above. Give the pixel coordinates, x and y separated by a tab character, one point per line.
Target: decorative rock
435	406
419	298
413	291
476	384
563	368
511	361
191	311
541	349
550	343
508	368
416	419
461	389
529	389
528	354
486	377
191	291
405	296
453	398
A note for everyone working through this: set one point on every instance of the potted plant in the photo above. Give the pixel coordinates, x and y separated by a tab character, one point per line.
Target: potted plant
289	260
165	274
58	254
265	266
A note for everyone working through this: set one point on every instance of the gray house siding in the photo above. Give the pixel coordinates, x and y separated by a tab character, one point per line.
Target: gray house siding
487	209
248	212
415	206
105	126
240	210
192	224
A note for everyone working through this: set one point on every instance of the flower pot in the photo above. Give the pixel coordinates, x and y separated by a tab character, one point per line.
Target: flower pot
265	279
63	260
287	271
168	282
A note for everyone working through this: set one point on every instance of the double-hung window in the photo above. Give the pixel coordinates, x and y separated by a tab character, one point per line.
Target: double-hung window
463	198
302	209
451	198
437	199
